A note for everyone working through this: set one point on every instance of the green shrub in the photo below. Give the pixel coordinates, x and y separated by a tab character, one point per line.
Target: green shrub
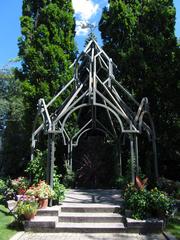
69	177
148	203
160	204
120	182
137	201
3	186
58	188
36	167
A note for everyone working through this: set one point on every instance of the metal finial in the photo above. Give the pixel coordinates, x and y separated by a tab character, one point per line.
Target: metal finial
88	25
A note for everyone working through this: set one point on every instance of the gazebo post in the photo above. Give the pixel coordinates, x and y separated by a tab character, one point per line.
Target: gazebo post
132	158
136	155
50	161
68	160
120	158
71	150
155	157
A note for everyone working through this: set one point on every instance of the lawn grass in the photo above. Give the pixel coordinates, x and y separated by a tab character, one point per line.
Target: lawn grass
174	226
6	219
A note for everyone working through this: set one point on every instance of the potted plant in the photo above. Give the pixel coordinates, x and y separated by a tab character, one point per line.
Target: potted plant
26	209
31	193
20	185
44	192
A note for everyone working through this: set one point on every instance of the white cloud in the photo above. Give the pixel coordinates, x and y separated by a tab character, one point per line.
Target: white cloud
85	9
79	30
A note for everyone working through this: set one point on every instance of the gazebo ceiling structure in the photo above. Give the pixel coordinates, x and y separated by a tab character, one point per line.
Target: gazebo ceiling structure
93	91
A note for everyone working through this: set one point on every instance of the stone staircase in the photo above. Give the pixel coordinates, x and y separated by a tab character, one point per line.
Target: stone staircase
89	211
78	218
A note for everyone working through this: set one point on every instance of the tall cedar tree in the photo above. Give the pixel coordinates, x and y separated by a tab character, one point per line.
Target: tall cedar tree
11	123
46	48
139	36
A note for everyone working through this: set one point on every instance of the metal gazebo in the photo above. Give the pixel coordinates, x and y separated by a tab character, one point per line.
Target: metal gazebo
94	89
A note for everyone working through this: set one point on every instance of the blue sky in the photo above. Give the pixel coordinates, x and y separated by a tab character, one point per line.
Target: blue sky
86	11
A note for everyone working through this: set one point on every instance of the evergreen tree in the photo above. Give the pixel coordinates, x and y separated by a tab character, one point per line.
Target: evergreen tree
46	48
90	36
139	36
11	124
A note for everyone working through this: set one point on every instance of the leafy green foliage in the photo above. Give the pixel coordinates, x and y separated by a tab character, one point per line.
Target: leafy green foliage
136	200
11	123
43	190
46	47
11	100
21	183
173	225
139	37
90	36
3	186
160	204
25	209
120	182
6	221
37	167
148	203
58	188
69	177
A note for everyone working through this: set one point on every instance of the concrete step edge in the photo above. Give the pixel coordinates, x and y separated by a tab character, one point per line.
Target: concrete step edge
89	225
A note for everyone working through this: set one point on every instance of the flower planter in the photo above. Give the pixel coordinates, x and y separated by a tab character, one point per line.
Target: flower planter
43	203
29	216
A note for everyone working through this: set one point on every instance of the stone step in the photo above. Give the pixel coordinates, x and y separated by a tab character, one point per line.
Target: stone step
41	223
90	217
105	196
93	208
49	211
90	227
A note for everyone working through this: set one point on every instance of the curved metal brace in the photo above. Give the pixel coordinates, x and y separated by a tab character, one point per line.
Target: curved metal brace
45	113
86	130
143	106
153	138
64	135
97	104
141	122
76	134
83	128
105	129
